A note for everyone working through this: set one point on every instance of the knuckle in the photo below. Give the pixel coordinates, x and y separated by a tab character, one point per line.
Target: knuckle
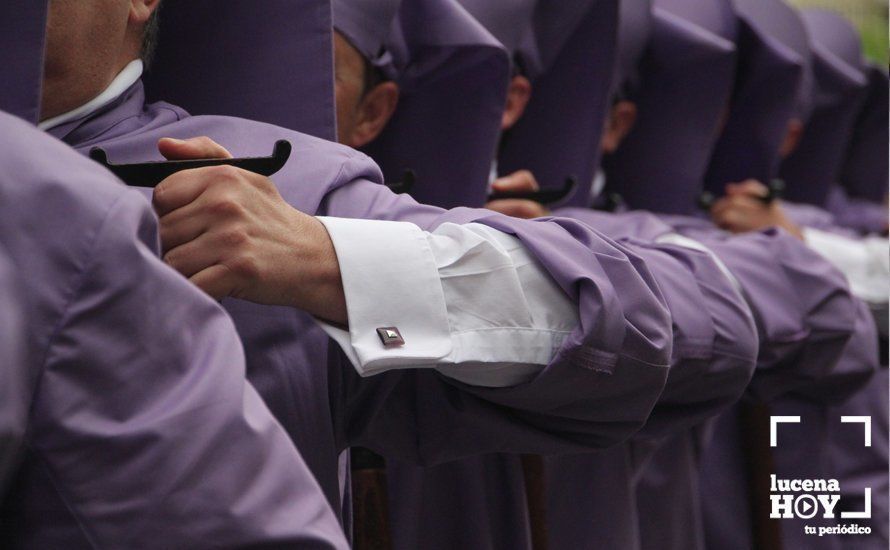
234	237
224	173
244	267
226	205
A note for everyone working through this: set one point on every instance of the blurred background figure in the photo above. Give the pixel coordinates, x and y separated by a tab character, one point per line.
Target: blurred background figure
869	16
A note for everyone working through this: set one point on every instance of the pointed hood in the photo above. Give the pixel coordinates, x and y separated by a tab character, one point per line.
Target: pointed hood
270	61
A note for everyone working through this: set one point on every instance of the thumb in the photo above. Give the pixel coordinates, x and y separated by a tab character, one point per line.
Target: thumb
191	149
520	181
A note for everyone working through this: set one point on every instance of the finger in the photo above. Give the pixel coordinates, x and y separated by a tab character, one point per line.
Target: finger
721	205
182	225
194	148
185	187
195	256
518	208
217	280
522	180
752	188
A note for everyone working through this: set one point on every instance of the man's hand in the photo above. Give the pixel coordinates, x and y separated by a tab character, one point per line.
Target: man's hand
521	181
743	210
232	234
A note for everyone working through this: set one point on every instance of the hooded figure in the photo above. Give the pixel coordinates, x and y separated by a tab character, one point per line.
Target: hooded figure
864	175
701	342
452	77
840	86
772	84
591	387
691	55
860	202
569	55
141	376
815	301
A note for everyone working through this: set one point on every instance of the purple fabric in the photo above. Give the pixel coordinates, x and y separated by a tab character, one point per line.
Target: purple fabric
143	427
687	76
573	46
22	28
591	503
15	375
598	390
506	21
804	451
863	216
634	30
453	79
367	24
804	317
476	503
773	60
840	87
857	466
270	61
865	171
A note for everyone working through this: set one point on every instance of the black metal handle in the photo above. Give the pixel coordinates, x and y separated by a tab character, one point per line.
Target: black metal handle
150	174
409	178
544	196
775	191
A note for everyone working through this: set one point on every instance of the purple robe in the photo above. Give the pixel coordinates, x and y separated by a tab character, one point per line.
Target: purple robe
569	55
860	215
839	88
859	467
442	57
685	60
142	427
775	58
204	81
15	376
709	369
804	317
865	171
598	390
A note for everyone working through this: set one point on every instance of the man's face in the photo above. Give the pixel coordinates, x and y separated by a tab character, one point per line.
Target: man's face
85	49
349	86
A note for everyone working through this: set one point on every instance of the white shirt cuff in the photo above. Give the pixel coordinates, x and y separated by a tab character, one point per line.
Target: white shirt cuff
390	279
467	300
865	262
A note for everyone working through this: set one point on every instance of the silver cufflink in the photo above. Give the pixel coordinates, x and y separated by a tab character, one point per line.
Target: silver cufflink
390	336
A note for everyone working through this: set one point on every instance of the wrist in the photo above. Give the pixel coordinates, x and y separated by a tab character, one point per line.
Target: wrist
318	286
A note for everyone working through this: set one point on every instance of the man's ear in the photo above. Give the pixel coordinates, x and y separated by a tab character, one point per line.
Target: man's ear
373	112
518	95
622	117
141	10
792	137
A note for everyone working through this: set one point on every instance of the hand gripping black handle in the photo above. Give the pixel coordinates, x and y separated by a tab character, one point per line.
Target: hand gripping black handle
776	190
543	196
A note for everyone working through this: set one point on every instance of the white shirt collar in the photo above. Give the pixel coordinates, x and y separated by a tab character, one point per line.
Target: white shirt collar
121	83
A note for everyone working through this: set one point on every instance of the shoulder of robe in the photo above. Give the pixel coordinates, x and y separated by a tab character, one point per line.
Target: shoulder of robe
53	205
44	179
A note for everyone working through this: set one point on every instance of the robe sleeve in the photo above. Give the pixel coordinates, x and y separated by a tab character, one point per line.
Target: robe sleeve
143	419
601	384
715	341
805	315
